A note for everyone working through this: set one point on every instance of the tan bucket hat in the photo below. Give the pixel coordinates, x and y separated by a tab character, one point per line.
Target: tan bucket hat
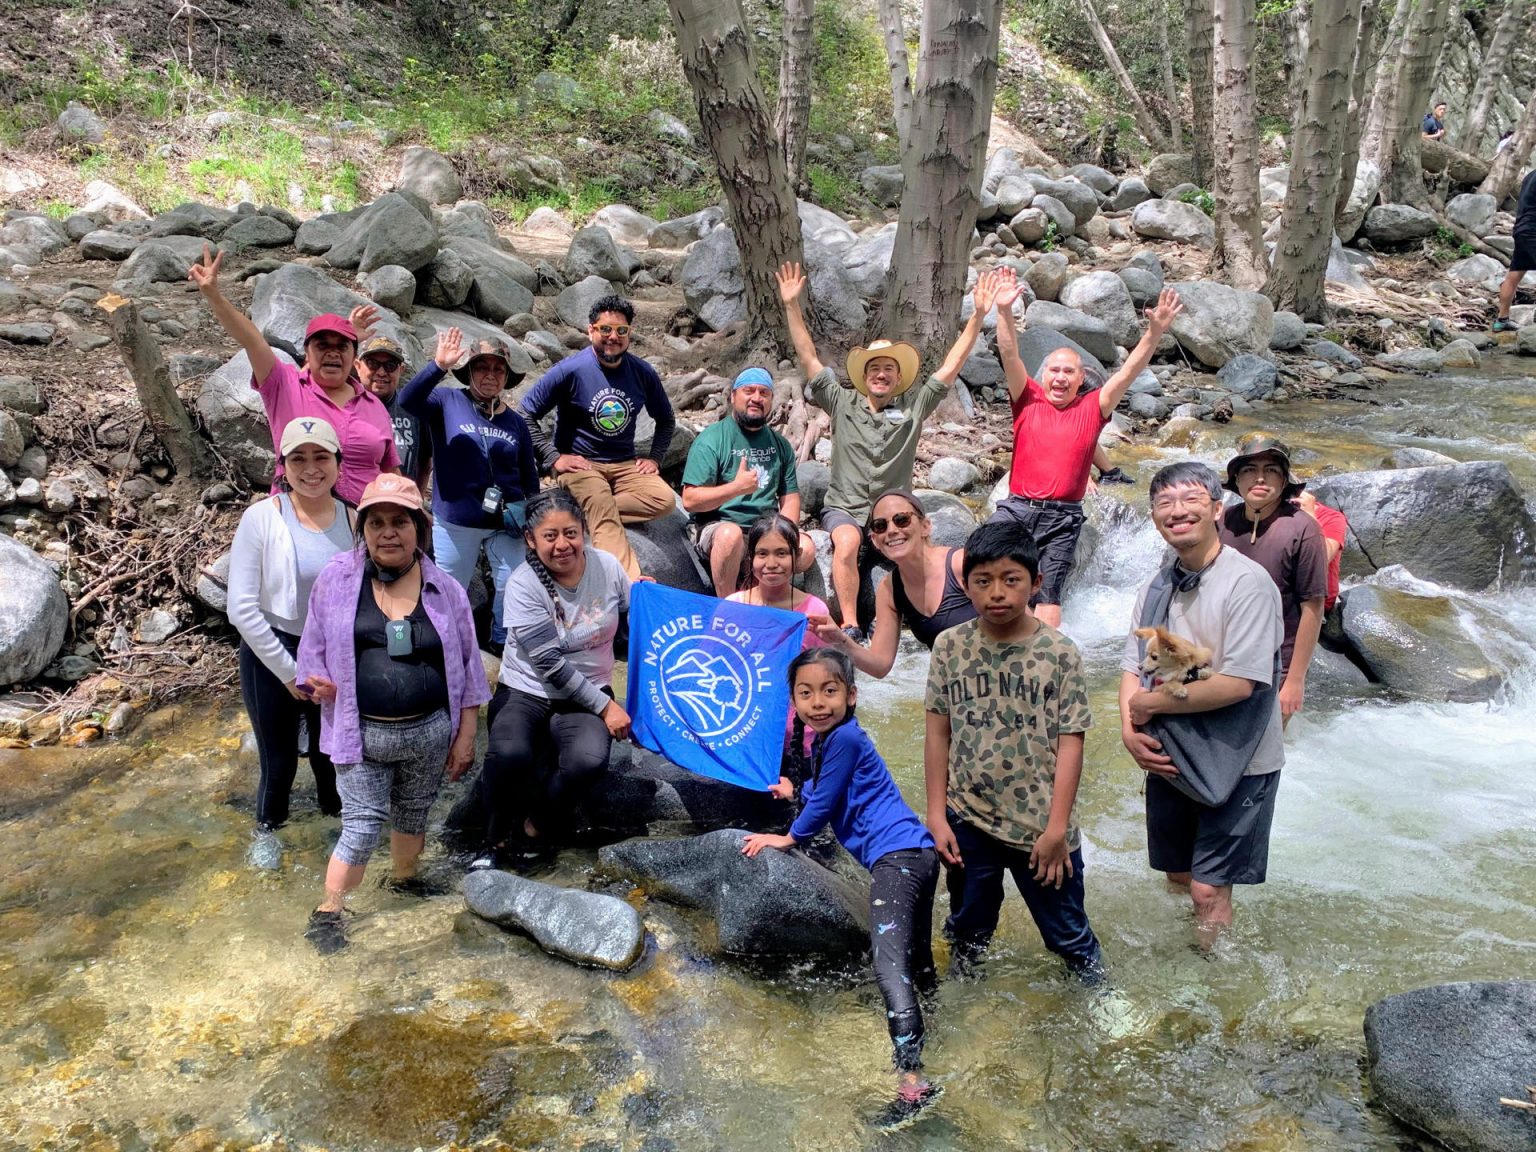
906	357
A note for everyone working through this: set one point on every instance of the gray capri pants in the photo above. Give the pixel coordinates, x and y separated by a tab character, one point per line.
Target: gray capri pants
399	778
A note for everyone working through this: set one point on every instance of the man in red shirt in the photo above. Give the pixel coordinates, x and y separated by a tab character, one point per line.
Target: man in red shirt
1334	526
1055	431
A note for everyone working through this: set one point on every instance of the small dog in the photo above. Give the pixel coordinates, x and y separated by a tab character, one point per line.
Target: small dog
1173	661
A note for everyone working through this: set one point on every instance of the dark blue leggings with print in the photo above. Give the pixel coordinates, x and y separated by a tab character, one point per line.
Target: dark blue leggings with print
901	887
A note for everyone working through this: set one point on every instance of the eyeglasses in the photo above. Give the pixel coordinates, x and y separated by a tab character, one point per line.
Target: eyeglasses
1188	500
900	520
612	329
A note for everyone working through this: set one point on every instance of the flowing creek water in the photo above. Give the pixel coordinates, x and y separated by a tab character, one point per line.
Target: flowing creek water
155	992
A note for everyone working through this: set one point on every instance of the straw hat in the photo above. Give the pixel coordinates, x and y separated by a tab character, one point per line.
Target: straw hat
906	357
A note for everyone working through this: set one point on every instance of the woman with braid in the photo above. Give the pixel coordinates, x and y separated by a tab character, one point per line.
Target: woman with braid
554	715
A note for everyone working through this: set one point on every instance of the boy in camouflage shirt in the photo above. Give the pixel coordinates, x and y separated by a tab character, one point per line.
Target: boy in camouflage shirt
1007	708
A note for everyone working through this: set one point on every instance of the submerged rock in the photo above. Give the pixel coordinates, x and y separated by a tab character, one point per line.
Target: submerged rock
776	904
1439	1059
1417	645
585	927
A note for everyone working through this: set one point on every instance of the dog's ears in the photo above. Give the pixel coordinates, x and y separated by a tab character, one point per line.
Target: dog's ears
1146	633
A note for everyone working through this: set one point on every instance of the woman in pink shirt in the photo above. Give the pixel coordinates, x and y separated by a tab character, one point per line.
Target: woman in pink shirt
324	387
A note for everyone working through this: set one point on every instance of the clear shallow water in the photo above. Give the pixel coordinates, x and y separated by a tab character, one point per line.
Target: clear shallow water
151	987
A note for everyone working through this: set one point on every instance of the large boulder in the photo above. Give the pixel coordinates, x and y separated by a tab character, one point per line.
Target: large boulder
825	227
1440	1058
34	613
1105	297
231	411
953	520
1249	376
445	283
1219	322
38	233
1079	199
1389	225
1362	195
1474	211
547	222
685	230
867	262
667	555
574	304
593	253
394	229
712	282
391	287
1047	276
105	244
428	323
1290	332
162	261
288	298
1056	213
839	304
1417	645
1465	525
1082	329
1173	220
1132	191
624	224
1013	194
1476	269
501	285
429	175
882	184
192	219
1038	341
1099	179
585	927
471	220
1169	170
774	904
257	231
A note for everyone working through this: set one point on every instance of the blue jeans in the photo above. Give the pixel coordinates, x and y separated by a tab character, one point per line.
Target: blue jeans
1058	912
458	551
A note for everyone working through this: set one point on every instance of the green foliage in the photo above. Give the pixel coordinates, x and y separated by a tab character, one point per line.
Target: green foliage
851	80
832	189
1445	246
1201	199
58	209
1048	241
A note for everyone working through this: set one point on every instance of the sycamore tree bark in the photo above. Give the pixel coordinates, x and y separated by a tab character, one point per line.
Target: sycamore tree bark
1296	36
1170	89
1239	256
792	118
1146	123
1306	230
1508	164
1397	150
1383	72
1199	34
721	68
1362	76
942	170
900	66
1495	64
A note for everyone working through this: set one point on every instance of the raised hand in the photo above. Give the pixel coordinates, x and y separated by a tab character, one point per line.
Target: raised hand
791	282
363	318
1009	289
1168	306
987	289
450	346
205	272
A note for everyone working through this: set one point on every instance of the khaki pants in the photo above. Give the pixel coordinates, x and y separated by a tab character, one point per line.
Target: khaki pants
613	495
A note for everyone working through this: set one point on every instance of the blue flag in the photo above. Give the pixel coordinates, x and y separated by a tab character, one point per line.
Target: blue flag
706	682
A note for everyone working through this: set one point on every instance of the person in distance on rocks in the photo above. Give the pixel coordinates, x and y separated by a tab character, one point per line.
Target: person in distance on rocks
738	470
875	425
597	396
380	366
1433	127
1523	259
1056	430
324	387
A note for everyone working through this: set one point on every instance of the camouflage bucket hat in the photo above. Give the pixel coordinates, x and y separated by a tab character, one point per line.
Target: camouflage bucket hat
1262	444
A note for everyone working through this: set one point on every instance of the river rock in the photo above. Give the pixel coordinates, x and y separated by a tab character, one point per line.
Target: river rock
1409	456
38	233
775	904
1219	322
1099	179
1334	354
1029	225
1078	198
162	261
1047	276
1143	286
685	230
952	519
1421	361
1249	376
952	474
825	227
548	223
429	175
258	231
1460	353
882	183
470	220
391	230
1173	220
1474	211
1013	193
1056	213
501	284
666	554
1361	196
110	203
1038	342
1476	269
20	394
105	244
391	287
445	282
428	323
1464	525
192	219
813	478
1132	191
286	300
1439	1059
584	927
34	613
13	441
231	411
712	281
1168	171
1387	225
1417	645
1083	330
41	334
1290	332
1105	297
574	304
624	225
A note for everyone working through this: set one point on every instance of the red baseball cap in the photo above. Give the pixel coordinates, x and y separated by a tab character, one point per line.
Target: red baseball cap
330	322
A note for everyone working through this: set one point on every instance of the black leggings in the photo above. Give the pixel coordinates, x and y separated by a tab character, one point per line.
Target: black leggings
542	760
901	886
274	717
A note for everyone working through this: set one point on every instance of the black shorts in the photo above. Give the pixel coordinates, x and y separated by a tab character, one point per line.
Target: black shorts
834	518
1217	846
1524	257
1055	525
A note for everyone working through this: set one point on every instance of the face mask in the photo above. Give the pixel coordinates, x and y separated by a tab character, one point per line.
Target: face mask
385	575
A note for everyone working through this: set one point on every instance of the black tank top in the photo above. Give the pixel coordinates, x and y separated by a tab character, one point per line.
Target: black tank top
954	605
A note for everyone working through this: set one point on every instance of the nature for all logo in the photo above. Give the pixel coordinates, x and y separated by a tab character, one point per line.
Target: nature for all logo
704	681
610	410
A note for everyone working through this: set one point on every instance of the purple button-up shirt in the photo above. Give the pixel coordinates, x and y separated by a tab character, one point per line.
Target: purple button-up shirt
327	648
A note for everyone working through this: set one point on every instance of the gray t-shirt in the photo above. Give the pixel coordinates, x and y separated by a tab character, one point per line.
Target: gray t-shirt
1235	612
591	621
312	550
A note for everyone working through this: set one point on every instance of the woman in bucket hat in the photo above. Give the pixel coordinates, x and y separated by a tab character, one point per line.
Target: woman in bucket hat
484	466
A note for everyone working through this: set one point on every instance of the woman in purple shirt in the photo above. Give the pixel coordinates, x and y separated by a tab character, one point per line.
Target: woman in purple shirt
389	651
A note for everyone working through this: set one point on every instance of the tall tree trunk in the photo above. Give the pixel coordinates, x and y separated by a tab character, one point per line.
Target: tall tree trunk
1239	256
792	118
721	68
1495	63
900	68
1383	76
942	171
1296	34
1150	130
1199	33
1170	90
1508	164
1362	75
1306	231
1398	151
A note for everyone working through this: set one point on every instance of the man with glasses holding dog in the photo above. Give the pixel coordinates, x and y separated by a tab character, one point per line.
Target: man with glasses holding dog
597	396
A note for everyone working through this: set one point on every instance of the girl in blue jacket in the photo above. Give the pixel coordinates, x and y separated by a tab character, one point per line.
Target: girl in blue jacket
850	788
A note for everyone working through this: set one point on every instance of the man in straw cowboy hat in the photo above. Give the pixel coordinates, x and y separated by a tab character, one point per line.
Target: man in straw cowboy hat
875	426
1271	530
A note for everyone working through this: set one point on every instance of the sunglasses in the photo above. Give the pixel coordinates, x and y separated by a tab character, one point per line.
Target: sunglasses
383	364
612	329
878	526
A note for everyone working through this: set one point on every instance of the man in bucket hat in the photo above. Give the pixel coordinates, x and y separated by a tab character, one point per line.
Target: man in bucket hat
875	425
1270	530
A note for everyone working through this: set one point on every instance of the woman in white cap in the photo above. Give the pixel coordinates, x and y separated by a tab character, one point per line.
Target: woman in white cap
281	545
390	654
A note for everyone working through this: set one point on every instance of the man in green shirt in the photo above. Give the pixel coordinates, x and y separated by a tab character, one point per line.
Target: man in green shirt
738	470
875	425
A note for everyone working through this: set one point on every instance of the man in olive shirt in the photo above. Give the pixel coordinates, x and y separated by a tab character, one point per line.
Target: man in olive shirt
874	432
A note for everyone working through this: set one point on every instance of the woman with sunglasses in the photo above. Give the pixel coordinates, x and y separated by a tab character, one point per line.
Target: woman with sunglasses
925	590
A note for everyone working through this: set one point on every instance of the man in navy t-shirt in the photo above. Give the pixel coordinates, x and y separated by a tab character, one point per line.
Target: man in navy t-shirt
597	395
1433	127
